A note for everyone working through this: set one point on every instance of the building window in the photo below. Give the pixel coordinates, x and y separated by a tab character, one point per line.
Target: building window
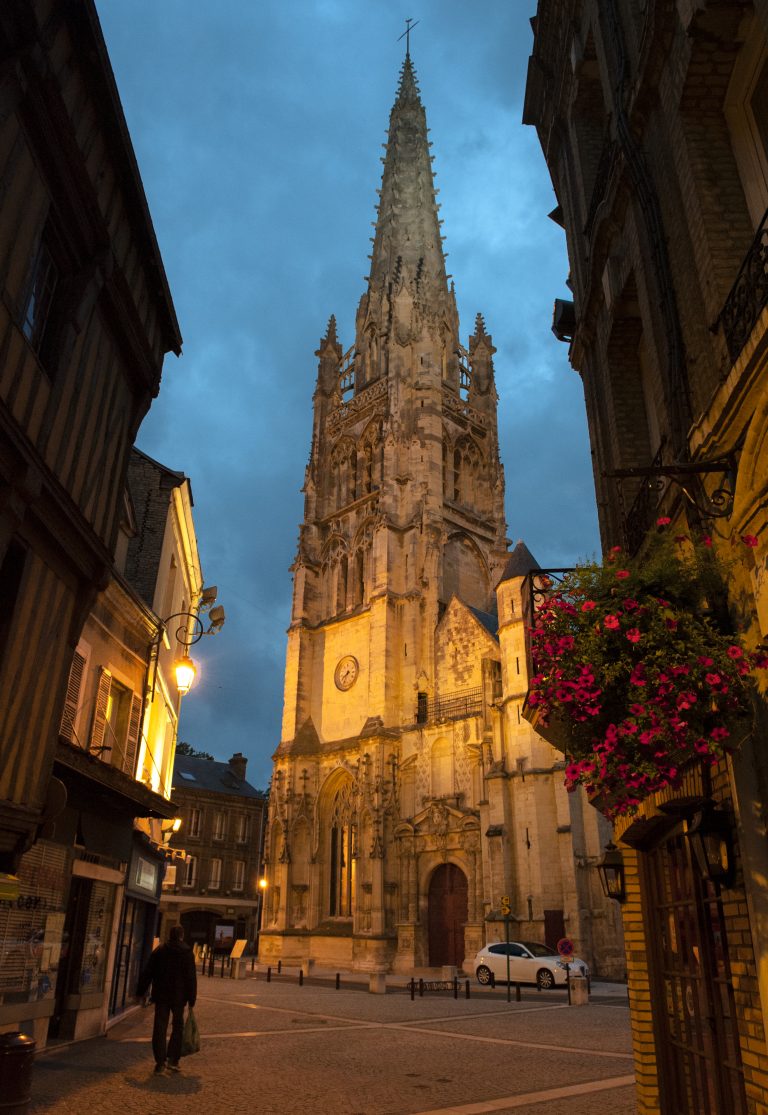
219	826
242	829
746	110
215	878
195	822
190	874
41	287
342	856
11	573
238	874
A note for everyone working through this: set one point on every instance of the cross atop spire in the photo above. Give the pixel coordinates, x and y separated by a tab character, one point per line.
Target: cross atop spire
409	26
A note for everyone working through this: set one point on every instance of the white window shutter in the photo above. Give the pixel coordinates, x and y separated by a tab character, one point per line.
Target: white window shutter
72	698
100	711
132	740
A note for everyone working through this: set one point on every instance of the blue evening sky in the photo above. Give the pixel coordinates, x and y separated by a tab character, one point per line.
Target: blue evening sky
257	127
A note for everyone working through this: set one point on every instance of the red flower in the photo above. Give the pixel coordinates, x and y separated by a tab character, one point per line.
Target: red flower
611	622
588	606
713	679
707	541
633	635
734	652
622	574
663	521
615	550
749	540
719	733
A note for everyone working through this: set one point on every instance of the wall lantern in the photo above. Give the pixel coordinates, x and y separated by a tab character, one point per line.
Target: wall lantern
185	672
611	872
709	832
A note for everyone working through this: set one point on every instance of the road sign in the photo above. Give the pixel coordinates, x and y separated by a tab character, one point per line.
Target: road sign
565	948
506	908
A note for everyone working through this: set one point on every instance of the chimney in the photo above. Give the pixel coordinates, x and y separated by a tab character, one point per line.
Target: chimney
238	763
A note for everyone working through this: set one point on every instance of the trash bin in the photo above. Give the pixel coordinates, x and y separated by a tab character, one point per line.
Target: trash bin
17	1053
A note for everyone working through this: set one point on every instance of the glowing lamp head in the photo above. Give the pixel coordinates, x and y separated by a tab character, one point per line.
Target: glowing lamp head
262	884
185	674
176	824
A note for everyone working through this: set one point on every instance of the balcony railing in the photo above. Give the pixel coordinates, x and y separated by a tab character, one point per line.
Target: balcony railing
453	706
749	294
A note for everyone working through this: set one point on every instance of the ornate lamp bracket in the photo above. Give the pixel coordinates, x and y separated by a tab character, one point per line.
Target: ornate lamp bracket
717	504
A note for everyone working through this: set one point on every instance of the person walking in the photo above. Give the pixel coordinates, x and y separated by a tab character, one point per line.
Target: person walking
171	972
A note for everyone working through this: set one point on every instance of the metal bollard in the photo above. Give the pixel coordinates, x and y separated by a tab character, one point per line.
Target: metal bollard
221	973
17	1052
493	980
279	967
421	988
269	975
211	960
466	990
301	977
412	986
518	996
455	987
338	980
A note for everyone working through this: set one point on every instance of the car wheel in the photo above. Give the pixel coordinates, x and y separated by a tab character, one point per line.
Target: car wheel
484	975
544	979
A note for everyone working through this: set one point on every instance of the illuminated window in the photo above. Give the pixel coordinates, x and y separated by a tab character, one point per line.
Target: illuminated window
190	873
215	877
238	874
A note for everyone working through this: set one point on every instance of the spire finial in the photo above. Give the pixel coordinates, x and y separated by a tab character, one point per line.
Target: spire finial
409	26
330	333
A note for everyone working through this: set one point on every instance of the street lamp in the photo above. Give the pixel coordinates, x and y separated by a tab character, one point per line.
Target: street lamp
189	632
611	872
709	833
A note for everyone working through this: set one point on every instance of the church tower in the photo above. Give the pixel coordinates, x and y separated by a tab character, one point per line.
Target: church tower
377	851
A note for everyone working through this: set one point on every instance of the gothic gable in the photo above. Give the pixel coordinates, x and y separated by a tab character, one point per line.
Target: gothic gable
462	641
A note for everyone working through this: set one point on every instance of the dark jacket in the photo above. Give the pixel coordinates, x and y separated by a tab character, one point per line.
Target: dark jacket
171	971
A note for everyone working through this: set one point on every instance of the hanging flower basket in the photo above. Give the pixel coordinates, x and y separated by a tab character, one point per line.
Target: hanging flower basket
636	659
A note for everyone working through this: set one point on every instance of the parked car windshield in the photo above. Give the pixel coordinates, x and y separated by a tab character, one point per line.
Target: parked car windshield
537	950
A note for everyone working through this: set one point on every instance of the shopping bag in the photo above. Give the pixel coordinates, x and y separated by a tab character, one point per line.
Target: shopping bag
190	1039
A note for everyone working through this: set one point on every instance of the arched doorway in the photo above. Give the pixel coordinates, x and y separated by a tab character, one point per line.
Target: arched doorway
447	915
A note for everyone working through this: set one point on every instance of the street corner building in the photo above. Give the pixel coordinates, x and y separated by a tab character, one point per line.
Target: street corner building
653	119
97	543
212	887
409	798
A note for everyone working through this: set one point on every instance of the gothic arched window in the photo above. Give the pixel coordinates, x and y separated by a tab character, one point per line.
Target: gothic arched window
342	854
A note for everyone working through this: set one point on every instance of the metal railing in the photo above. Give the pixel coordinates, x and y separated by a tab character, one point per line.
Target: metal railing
748	296
453	706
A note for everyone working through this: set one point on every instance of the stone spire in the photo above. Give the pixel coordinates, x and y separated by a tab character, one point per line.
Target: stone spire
407	247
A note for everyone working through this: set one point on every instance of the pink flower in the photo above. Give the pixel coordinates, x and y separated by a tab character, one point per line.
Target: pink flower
749	540
713	679
663	521
719	733
615	550
631	605
588	606
671	624
611	622
704	661
707	541
734	652
622	574
633	635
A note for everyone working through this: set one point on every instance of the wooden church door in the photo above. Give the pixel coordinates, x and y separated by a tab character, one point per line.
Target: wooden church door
447	915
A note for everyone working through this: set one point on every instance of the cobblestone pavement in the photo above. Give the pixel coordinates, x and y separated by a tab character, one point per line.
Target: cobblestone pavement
278	1048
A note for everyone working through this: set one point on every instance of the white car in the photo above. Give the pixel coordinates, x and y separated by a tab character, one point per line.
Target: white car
528	963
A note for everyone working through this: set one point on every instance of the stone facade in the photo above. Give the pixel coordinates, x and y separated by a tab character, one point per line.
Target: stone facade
653	119
409	796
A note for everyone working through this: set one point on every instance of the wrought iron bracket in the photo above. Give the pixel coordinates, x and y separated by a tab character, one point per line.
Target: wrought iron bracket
716	505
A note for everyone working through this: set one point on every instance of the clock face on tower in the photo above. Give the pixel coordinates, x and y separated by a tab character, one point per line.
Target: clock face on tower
346	672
